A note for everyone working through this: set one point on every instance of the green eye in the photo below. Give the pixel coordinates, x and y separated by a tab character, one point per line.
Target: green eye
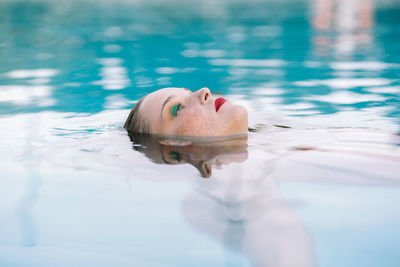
175	110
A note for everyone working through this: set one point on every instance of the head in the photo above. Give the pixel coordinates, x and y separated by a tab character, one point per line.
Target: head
181	112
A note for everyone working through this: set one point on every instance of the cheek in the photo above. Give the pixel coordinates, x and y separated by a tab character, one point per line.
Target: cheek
200	123
190	125
196	123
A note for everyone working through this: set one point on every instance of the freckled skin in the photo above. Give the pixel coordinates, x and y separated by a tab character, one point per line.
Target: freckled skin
198	116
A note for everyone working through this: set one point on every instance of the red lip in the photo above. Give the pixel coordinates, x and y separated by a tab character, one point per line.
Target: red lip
219	102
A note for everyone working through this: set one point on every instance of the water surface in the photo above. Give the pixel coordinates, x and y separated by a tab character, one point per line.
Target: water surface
316	184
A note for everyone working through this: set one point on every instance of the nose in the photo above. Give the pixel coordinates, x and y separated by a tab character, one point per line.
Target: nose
203	94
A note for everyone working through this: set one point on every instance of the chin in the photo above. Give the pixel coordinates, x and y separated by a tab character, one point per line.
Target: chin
239	120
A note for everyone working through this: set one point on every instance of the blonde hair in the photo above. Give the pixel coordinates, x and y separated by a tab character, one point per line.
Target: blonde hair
135	123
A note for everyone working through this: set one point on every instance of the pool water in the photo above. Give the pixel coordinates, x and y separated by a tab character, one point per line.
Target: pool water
317	182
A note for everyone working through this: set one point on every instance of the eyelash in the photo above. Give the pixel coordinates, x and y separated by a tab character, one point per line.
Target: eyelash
176	109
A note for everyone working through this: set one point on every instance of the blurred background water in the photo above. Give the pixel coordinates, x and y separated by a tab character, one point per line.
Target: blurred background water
321	191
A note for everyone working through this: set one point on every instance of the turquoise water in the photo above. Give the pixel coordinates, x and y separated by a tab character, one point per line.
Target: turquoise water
317	183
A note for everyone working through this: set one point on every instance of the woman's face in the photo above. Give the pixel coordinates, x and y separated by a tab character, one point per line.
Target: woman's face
178	111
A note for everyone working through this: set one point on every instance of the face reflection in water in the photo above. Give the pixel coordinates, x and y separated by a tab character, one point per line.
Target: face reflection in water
200	153
179	111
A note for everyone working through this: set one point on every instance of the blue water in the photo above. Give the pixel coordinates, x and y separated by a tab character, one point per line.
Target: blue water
323	190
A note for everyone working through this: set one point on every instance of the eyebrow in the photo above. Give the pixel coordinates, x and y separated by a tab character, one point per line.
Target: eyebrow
165	102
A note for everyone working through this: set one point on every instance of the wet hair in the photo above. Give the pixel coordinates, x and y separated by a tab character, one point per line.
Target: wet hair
135	123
